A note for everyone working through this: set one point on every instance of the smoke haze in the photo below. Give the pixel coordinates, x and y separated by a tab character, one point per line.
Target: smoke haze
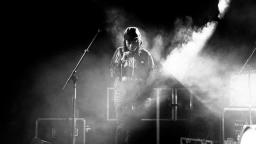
180	54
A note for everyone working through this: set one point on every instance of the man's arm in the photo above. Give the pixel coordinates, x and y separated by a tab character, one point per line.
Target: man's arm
115	64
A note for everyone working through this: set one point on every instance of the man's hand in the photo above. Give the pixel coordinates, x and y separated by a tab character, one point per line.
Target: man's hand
125	56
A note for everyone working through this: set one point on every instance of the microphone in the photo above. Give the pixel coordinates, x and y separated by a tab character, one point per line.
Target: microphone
125	56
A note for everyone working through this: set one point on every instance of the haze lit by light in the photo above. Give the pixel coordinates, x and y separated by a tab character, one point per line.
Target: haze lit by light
180	59
242	90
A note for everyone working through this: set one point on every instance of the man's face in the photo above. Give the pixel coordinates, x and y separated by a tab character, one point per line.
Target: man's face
132	45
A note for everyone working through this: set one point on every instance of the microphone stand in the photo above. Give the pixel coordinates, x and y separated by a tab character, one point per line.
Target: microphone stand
74	78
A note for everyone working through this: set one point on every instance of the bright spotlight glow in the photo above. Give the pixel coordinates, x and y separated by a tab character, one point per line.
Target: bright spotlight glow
242	90
180	59
249	137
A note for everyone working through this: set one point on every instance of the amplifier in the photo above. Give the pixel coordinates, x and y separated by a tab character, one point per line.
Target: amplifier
59	130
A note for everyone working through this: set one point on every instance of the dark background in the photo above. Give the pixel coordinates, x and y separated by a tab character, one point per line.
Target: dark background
35	33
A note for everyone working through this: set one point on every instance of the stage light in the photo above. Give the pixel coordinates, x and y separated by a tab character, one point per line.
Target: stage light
223	6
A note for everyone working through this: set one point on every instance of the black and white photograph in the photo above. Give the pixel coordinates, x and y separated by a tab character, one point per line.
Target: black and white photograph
129	72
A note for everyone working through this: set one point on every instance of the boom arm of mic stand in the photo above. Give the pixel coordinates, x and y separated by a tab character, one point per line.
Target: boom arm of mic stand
77	65
241	70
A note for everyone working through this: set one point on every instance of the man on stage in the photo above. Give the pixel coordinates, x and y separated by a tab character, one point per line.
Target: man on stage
130	68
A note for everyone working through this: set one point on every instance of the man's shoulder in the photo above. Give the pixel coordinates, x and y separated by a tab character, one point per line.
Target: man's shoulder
145	52
119	49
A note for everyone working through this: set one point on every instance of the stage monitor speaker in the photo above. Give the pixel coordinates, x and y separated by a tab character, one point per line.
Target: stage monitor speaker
59	130
233	121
